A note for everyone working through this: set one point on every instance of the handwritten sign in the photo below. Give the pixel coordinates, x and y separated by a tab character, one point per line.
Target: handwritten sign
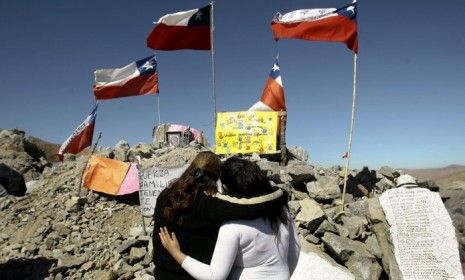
152	182
246	132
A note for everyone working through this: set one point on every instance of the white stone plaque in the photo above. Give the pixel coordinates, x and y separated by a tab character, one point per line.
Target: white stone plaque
424	240
152	182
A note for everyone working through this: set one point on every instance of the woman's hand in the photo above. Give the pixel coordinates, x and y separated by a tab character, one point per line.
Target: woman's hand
171	244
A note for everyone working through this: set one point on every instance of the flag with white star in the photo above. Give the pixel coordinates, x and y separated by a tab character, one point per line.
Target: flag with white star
182	30
81	137
273	94
137	78
325	24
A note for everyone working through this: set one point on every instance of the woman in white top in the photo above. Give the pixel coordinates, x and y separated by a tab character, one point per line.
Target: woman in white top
263	248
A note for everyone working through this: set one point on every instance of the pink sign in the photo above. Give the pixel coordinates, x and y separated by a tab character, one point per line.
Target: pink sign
131	181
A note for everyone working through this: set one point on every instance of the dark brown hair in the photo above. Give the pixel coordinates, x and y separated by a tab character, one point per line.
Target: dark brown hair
245	179
201	175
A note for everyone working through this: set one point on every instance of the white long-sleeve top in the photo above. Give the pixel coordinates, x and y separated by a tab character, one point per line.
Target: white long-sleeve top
250	249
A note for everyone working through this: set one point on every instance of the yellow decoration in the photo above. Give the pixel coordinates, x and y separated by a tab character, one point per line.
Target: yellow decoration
246	132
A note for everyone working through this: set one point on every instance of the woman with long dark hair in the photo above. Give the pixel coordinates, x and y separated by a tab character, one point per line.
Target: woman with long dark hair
261	248
191	208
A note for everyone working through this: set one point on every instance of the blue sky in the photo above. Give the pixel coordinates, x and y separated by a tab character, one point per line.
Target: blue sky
410	87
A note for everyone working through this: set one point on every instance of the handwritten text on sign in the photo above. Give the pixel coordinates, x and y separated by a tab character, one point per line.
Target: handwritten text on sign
152	182
246	132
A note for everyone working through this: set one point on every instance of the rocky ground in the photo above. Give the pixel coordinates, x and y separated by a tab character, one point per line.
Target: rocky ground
59	231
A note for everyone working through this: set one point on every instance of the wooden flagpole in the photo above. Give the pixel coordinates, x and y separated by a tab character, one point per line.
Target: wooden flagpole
349	149
283	121
158	108
212	51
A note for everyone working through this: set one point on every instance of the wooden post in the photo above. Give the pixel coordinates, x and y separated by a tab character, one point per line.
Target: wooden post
139	164
282	140
212	52
349	149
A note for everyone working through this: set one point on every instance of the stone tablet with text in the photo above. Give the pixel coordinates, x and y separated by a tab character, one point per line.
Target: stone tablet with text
421	230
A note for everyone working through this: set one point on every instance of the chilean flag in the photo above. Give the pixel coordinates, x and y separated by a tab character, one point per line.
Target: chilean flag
182	30
81	136
273	94
327	24
137	78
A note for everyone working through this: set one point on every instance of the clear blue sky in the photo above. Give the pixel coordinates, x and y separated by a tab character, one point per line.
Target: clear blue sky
410	88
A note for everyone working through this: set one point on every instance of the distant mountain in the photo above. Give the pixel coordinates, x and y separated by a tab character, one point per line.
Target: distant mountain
439	175
37	147
49	149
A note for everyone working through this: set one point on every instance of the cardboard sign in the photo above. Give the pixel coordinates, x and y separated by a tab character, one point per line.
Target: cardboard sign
246	132
152	182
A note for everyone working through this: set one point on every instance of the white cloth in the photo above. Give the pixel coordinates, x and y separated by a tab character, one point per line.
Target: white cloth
250	249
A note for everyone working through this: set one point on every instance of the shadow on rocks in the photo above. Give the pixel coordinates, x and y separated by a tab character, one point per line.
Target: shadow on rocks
26	269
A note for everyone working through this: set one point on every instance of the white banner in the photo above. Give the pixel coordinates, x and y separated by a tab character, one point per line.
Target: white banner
152	182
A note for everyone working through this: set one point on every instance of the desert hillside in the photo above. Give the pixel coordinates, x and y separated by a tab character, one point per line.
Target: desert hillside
443	174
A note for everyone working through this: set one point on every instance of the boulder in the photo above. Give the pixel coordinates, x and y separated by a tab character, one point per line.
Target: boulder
324	189
354	255
310	214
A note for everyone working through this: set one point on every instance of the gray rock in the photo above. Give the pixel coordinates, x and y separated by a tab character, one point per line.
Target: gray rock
326	226
294	207
373	246
358	208
381	229
136	254
125	246
298	153
354	255
312	239
307	247
298	195
121	150
68	261
269	166
310	214
388	172
122	267
384	184
74	203
105	275
355	226
324	188
300	173
142	150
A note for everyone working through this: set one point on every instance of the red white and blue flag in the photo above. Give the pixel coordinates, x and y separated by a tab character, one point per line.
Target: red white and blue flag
134	79
273	94
182	30
81	137
326	24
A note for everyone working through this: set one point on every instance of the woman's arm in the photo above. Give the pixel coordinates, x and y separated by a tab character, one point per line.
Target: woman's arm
220	208
223	257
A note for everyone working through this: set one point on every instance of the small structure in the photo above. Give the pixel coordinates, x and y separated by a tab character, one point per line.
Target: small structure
177	135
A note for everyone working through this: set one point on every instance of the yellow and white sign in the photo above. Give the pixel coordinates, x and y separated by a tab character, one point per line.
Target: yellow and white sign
246	132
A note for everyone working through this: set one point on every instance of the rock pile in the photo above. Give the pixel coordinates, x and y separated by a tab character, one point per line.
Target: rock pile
60	231
21	154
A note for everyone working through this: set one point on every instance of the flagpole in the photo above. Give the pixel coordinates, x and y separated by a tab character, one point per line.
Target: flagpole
349	150
212	51
158	108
